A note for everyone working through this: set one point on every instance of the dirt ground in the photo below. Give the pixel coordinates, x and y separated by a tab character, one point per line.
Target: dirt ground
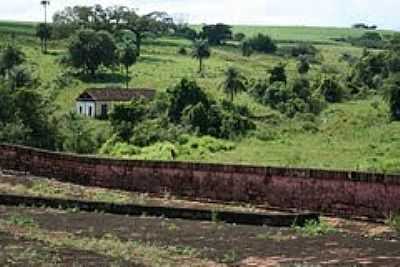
353	244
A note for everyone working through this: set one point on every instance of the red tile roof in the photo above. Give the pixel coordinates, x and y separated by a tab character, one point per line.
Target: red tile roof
115	94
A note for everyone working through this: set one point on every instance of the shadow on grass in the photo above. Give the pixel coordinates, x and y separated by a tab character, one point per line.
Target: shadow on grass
151	59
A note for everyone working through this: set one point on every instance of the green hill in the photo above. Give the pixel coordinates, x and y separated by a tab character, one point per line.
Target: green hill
351	135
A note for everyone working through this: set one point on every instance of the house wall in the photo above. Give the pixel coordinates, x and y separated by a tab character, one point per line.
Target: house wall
335	192
84	107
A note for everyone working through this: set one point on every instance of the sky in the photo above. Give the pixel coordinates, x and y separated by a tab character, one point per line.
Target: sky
338	13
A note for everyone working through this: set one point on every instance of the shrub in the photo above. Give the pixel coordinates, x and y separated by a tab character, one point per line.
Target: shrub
278	74
303	66
303	49
184	94
239	36
331	89
182	51
246	48
314	228
263	43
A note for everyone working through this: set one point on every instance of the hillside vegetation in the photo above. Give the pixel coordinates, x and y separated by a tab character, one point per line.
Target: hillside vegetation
354	134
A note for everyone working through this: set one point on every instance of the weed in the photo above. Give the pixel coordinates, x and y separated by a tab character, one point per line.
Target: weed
313	228
394	222
230	257
21	220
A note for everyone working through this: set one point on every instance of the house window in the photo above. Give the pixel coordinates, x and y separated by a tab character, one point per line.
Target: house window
90	111
80	109
104	110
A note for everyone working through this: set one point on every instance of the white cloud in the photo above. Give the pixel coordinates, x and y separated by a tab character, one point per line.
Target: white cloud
282	12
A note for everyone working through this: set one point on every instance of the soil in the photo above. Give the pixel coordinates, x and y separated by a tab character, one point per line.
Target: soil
354	244
21	252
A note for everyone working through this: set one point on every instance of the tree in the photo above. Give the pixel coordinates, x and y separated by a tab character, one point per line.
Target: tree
233	83
392	96
186	93
263	43
331	90
125	117
113	19
201	51
90	49
217	34
9	58
239	36
247	49
77	136
303	66
278	74
43	32
20	77
127	57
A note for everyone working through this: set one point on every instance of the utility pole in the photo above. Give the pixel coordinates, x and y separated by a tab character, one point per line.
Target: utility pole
45	3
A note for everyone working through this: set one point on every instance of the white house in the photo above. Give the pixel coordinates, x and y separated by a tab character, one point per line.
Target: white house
98	102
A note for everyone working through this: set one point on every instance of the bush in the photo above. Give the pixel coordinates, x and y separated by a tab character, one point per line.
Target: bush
239	36
303	49
246	48
278	74
185	94
263	43
331	89
182	51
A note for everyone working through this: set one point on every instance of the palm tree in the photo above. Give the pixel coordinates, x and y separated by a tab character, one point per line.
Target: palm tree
201	51
233	83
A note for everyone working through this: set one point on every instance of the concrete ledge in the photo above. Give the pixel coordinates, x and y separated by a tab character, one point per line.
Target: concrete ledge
278	219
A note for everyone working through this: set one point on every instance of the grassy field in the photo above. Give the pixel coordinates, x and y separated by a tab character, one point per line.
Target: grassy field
352	135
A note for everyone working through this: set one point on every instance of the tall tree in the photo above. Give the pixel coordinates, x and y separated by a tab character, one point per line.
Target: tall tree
90	49
127	55
217	34
43	32
233	83
201	51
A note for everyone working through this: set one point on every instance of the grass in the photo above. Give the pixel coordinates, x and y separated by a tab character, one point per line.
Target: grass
353	135
394	222
107	245
314	228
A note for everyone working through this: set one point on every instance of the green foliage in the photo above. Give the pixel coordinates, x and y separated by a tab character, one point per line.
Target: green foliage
369	66
90	49
10	57
394	222
217	34
278	74
369	40
233	83
247	49
392	96
127	56
77	135
314	228
156	130
303	49
186	32
182	51
43	32
331	89
262	43
303	66
239	37
184	94
201	51
125	117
